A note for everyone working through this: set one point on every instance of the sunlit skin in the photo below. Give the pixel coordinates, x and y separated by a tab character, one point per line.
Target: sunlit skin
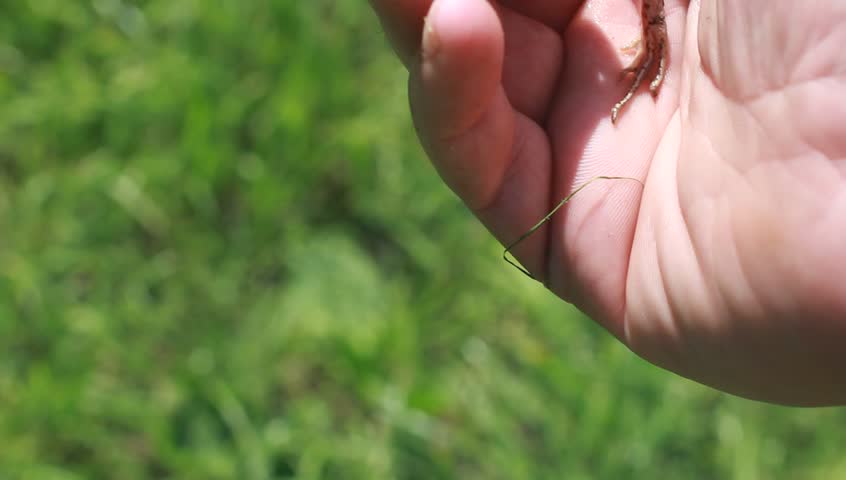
727	266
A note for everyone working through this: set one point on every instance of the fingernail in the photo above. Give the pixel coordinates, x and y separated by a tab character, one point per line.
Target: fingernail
431	43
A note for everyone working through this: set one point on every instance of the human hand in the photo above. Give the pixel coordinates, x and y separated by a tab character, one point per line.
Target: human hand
728	266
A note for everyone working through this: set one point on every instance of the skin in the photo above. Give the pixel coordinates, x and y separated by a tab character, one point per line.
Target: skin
727	266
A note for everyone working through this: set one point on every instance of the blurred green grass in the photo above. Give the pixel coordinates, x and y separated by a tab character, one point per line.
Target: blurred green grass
223	255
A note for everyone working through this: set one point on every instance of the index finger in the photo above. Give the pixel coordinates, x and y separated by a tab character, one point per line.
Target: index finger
403	19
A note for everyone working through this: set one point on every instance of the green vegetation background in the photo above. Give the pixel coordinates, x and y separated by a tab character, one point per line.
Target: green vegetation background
223	255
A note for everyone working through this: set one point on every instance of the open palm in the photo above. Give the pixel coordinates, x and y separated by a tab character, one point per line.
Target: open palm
727	266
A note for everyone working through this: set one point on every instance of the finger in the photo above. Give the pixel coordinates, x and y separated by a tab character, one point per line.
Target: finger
403	19
533	60
456	90
556	14
403	23
533	50
495	159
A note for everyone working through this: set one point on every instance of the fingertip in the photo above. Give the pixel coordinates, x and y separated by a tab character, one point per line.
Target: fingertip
469	29
461	60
